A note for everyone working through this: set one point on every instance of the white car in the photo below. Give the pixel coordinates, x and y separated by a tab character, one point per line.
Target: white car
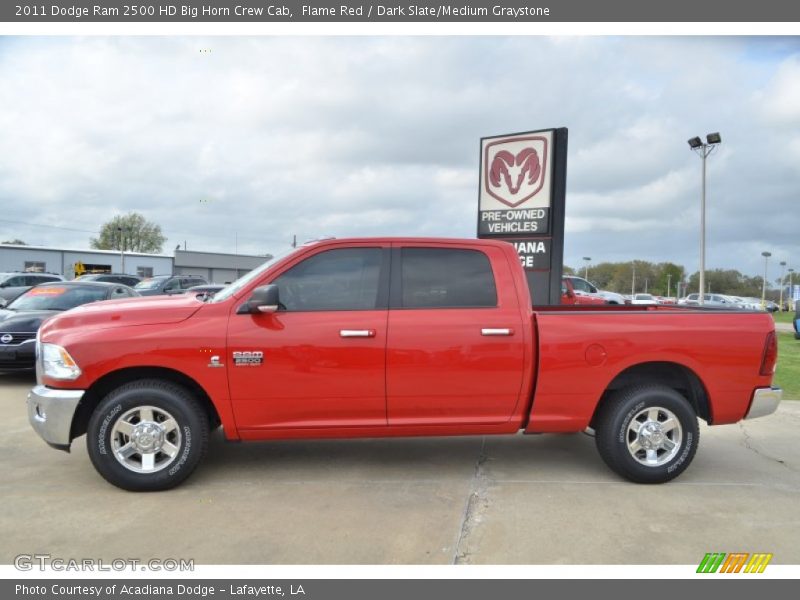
644	300
612	297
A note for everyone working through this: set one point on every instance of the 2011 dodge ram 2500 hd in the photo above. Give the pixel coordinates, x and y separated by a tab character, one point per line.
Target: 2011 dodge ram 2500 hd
391	337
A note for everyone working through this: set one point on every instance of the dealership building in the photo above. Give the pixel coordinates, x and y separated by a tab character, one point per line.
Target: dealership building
215	267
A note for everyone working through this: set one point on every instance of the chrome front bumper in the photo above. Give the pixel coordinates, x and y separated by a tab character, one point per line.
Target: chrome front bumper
765	402
50	414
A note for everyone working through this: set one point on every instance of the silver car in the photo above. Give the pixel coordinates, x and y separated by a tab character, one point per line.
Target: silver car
710	301
15	283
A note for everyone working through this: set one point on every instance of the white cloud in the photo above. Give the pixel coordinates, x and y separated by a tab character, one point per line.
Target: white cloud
361	136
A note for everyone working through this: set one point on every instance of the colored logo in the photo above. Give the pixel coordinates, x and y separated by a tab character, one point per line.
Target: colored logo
736	562
515	169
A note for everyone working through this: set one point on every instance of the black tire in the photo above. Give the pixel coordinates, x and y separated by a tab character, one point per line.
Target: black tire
671	446
171	426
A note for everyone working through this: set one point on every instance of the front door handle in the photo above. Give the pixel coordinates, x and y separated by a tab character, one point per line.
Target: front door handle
490	331
357	333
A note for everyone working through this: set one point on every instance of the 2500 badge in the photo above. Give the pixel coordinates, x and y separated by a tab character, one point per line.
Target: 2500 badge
248	359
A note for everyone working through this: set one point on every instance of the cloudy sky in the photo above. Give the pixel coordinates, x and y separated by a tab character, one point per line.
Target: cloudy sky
237	143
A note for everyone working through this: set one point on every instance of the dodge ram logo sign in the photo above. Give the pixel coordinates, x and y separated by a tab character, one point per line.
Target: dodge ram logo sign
516	184
515	169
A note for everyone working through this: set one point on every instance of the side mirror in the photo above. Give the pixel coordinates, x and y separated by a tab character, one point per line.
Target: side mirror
263	300
593	289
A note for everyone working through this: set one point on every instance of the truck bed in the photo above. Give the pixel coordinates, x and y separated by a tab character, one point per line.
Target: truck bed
716	351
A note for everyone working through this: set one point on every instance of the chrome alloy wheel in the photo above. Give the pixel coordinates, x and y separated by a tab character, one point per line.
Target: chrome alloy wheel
146	439
654	436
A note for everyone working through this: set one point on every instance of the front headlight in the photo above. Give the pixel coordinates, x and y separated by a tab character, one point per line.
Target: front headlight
57	363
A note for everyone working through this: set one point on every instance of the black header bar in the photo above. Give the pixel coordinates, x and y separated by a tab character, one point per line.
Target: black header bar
412	11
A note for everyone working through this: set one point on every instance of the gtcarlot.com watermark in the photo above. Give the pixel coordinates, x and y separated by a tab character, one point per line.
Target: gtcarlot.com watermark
48	562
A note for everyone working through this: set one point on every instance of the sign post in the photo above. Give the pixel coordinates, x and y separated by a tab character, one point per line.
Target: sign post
521	198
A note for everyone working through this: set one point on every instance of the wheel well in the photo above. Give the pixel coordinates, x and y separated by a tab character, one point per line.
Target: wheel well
100	388
678	377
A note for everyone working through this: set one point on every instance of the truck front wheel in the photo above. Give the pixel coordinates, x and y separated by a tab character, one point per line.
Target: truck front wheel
147	435
647	434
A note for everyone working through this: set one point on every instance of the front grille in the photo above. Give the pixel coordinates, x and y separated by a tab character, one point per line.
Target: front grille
17	337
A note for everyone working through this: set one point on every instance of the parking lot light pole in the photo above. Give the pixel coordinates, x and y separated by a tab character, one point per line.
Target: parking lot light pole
586	269
766	256
121	248
783	281
703	150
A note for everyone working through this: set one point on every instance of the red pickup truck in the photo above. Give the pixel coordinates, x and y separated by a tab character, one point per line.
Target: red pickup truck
571	294
391	337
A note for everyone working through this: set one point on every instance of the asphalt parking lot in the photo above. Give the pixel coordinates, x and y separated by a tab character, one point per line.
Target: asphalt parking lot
494	500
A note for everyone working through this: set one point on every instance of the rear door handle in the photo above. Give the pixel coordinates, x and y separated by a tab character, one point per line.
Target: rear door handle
357	333
489	331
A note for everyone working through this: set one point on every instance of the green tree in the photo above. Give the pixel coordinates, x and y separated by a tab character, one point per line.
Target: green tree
667	277
728	281
132	233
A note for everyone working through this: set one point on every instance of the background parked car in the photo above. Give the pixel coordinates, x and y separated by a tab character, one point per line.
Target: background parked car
709	301
124	279
20	320
752	303
15	283
576	290
612	297
208	289
168	284
797	323
644	300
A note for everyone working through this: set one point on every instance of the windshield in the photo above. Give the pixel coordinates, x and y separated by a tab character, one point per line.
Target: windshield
244	280
148	284
57	297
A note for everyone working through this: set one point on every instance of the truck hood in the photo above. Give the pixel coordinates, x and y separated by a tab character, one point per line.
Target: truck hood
127	312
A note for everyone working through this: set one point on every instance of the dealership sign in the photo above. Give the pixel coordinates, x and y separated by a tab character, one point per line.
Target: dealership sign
521	200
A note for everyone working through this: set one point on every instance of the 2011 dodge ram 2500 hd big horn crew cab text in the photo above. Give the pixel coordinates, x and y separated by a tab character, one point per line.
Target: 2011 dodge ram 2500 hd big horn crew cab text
391	337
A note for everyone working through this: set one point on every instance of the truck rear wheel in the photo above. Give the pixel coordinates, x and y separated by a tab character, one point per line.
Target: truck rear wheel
147	435
647	434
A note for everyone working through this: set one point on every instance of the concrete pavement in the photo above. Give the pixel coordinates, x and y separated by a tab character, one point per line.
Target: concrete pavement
493	500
